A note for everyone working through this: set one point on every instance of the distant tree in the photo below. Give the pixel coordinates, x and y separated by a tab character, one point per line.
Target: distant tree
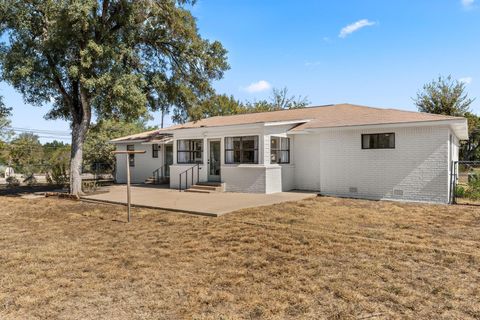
97	147
279	100
26	154
443	96
224	105
99	56
470	150
56	160
217	105
447	96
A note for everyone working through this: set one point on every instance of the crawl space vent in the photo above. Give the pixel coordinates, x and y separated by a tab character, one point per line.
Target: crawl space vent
353	190
397	192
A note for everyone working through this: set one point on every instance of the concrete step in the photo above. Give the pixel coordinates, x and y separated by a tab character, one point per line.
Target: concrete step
206	187
198	191
203	187
210	184
151	180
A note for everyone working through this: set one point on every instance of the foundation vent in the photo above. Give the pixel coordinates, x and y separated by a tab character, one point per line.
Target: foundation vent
397	192
353	190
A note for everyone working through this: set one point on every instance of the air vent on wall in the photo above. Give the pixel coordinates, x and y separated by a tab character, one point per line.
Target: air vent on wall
353	190
397	192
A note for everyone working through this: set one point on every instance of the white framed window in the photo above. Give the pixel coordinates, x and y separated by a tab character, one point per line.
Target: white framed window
279	150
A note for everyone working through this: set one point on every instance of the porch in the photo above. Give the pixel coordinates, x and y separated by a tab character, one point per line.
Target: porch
209	204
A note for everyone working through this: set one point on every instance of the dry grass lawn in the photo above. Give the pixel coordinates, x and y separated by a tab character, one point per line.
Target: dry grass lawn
318	258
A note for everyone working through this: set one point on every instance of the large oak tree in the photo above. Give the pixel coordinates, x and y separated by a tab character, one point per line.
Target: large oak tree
98	57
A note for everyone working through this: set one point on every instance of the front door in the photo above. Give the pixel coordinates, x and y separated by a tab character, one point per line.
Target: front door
168	158
214	160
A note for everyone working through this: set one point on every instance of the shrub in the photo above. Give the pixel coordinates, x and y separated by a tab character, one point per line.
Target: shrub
12	181
460	191
57	175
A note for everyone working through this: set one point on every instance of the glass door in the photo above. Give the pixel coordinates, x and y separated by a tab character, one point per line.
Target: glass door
214	160
168	158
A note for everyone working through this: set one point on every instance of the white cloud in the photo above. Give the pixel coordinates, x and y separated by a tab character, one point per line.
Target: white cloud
466	80
259	86
355	27
468	3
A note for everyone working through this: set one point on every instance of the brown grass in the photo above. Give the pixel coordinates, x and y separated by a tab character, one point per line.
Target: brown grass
319	258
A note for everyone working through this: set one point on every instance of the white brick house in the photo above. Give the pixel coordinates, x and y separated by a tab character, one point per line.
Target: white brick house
341	150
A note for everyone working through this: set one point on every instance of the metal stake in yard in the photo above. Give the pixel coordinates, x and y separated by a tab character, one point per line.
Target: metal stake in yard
128	153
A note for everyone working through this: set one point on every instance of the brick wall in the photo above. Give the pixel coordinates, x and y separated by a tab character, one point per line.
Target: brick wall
334	163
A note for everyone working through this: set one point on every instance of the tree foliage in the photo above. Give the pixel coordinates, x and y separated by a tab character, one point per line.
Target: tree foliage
56	162
25	153
224	105
98	149
447	96
444	96
101	57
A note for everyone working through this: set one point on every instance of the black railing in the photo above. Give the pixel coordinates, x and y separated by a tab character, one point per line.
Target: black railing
160	173
192	169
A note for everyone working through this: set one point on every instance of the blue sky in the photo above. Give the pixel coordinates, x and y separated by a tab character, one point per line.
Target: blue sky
385	53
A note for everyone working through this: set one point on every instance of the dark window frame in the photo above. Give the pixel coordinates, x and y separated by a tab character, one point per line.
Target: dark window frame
131	157
255	150
378	135
155	150
191	152
279	150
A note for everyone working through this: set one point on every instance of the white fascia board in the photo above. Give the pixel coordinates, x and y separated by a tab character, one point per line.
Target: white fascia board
282	123
459	127
127	141
201	131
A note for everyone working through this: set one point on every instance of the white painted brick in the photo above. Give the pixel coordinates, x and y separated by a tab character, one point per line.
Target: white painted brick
333	161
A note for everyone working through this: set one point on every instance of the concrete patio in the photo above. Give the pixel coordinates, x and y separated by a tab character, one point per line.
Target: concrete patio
210	204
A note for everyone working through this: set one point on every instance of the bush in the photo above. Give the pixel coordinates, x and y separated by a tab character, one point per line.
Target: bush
460	191
57	175
12	181
473	190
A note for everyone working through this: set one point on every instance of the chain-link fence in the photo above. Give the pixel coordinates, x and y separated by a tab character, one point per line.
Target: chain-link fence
466	182
56	176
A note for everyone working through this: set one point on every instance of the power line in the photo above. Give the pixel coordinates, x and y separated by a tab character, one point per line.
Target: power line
44	134
54	132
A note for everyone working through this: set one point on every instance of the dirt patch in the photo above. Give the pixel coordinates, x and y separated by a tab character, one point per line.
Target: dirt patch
317	258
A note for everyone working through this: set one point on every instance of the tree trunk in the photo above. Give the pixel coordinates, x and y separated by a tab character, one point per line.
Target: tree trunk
80	124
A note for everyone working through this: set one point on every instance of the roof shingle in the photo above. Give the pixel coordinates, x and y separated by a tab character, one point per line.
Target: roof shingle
330	116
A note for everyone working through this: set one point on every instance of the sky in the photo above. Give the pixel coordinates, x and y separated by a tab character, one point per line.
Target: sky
371	52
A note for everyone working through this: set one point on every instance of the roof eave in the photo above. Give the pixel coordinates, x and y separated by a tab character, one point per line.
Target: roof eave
458	125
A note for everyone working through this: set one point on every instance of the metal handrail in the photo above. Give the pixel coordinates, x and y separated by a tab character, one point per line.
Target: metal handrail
160	173
186	176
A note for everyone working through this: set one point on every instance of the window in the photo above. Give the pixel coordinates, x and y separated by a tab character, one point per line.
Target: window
241	149
190	151
279	150
155	150
378	141
131	157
